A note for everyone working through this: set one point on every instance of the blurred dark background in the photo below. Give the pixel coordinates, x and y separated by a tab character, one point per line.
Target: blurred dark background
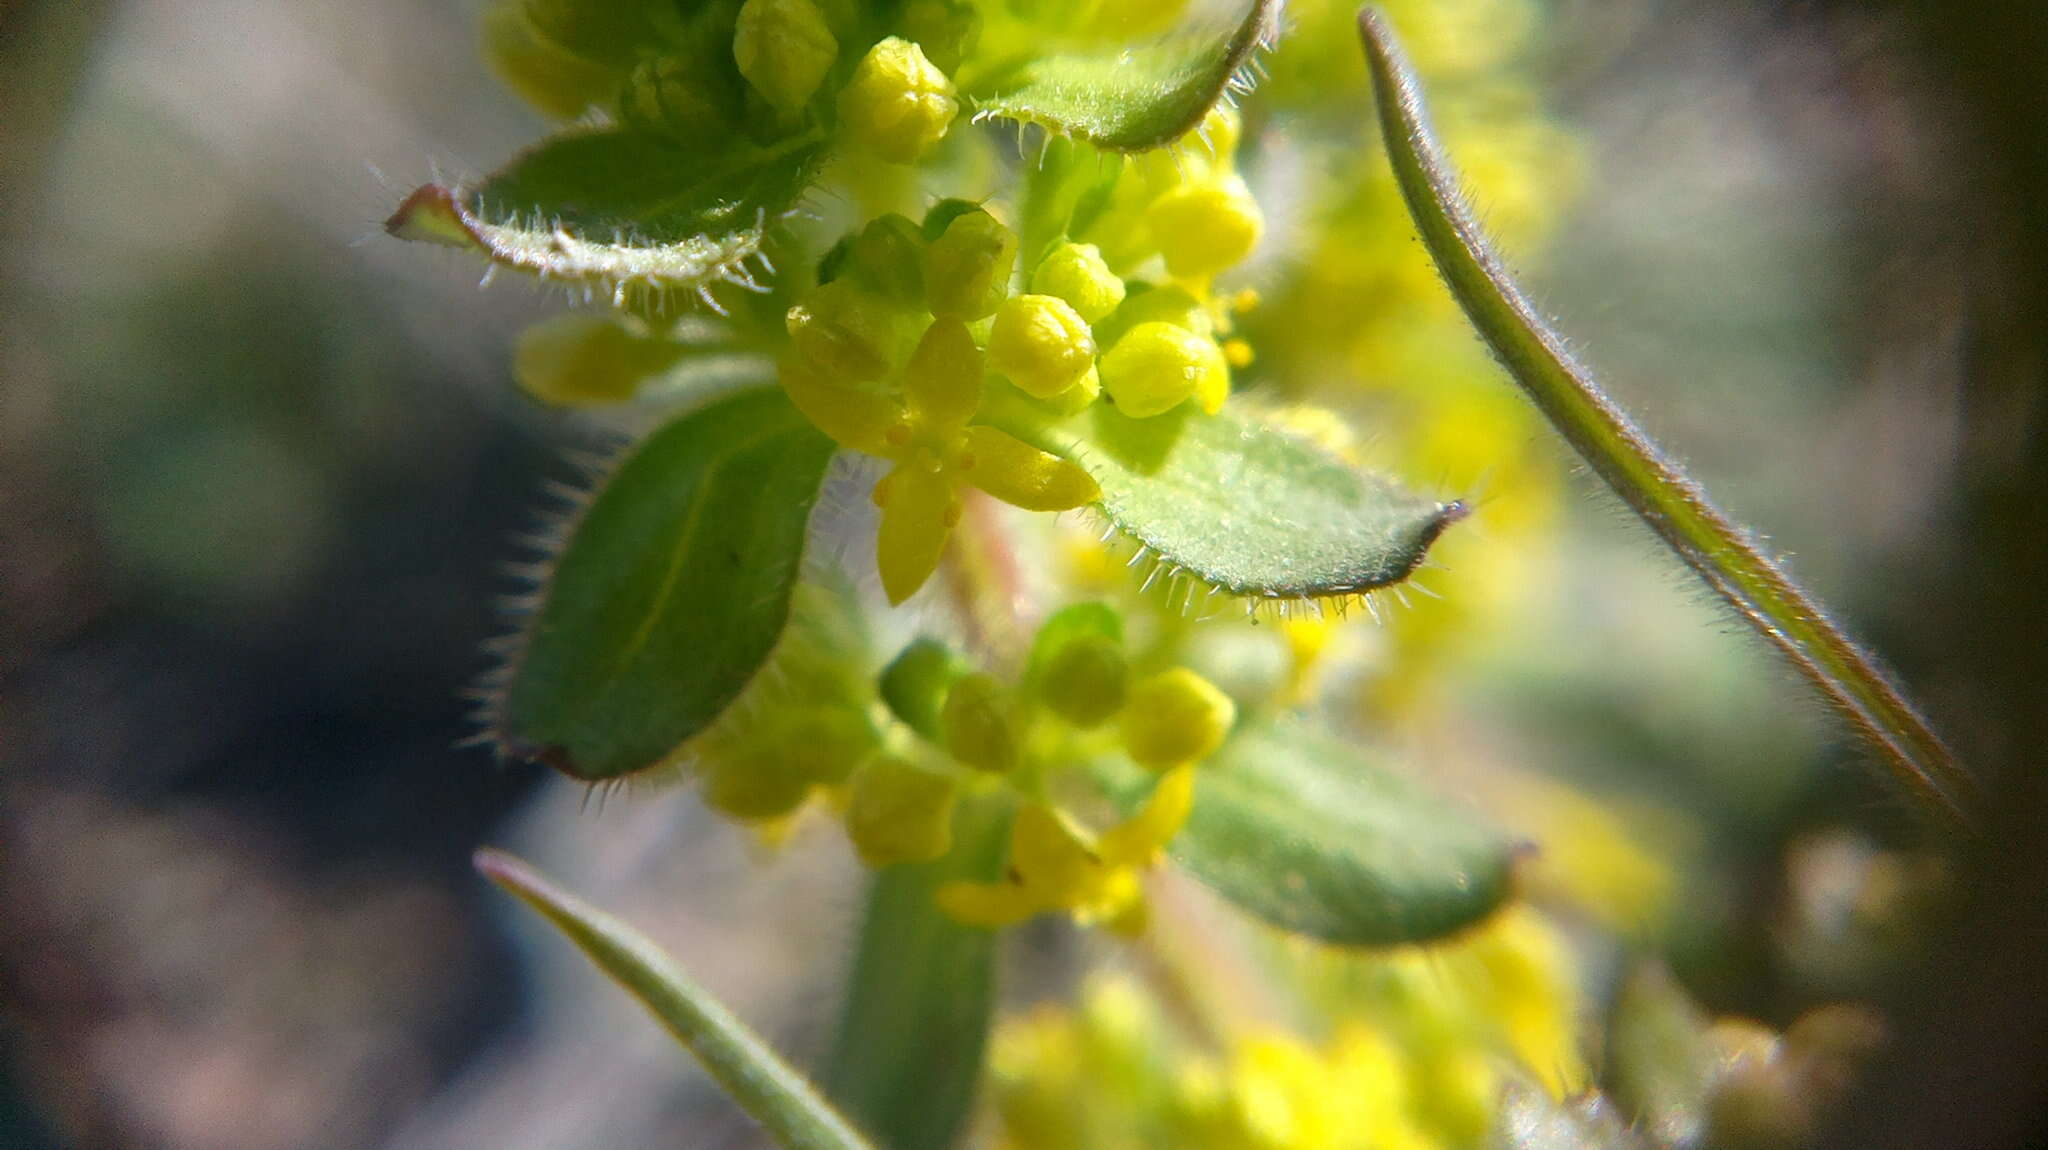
258	464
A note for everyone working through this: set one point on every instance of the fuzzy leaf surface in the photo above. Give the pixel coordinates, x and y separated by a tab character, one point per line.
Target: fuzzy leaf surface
777	1097
1248	509
1300	830
1141	97
909	1052
671	591
619	211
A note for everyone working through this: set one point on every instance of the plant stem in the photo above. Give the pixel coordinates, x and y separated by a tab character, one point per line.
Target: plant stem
1651	483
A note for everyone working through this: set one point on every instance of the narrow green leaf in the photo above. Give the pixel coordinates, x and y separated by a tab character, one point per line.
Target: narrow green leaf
671	591
1299	829
1669	501
1245	508
621	213
788	1107
1142	97
909	1052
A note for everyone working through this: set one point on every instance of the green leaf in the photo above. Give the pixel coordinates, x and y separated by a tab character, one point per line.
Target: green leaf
625	214
1668	500
909	1052
788	1107
671	591
1134	99
1244	508
1300	830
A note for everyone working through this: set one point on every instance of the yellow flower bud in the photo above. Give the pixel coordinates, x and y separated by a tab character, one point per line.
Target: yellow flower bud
897	104
900	812
826	744
583	359
1083	682
1204	228
1175	717
1076	399
783	48
845	334
967	268
1148	304
1157	365
1041	344
1077	274
976	726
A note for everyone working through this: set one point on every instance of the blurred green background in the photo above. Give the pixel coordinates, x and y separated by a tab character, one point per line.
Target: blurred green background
258	464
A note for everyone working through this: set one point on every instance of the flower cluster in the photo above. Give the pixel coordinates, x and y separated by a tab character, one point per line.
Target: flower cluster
1417	1056
897	757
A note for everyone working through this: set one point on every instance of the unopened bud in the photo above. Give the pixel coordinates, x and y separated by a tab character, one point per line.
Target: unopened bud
900	812
1175	717
976	724
898	103
967	268
783	48
1077	274
1157	365
1041	344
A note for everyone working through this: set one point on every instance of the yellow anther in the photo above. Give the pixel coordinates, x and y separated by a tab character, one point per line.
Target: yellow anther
1204	228
783	48
1175	717
1041	344
1157	365
967	269
1237	353
898	103
1077	274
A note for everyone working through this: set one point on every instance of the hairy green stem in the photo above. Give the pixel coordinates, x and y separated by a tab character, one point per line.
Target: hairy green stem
779	1098
1651	483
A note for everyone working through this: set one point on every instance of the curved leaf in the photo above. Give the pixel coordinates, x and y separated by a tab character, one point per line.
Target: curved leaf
671	591
1245	508
1135	99
1301	831
909	1052
1670	502
620	212
788	1107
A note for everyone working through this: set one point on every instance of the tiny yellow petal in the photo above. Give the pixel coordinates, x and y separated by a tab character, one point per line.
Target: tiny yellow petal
1138	840
1051	858
943	377
918	514
851	416
1020	474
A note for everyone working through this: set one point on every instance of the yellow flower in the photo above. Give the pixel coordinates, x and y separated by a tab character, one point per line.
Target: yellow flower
930	437
1057	865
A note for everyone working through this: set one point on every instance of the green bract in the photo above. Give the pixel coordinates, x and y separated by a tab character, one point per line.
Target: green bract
1297	828
1133	99
672	589
623	214
1244	508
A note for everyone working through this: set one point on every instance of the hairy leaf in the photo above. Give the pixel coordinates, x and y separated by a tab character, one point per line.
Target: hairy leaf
1302	831
1243	507
1669	501
671	590
1142	97
621	213
788	1107
909	1052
